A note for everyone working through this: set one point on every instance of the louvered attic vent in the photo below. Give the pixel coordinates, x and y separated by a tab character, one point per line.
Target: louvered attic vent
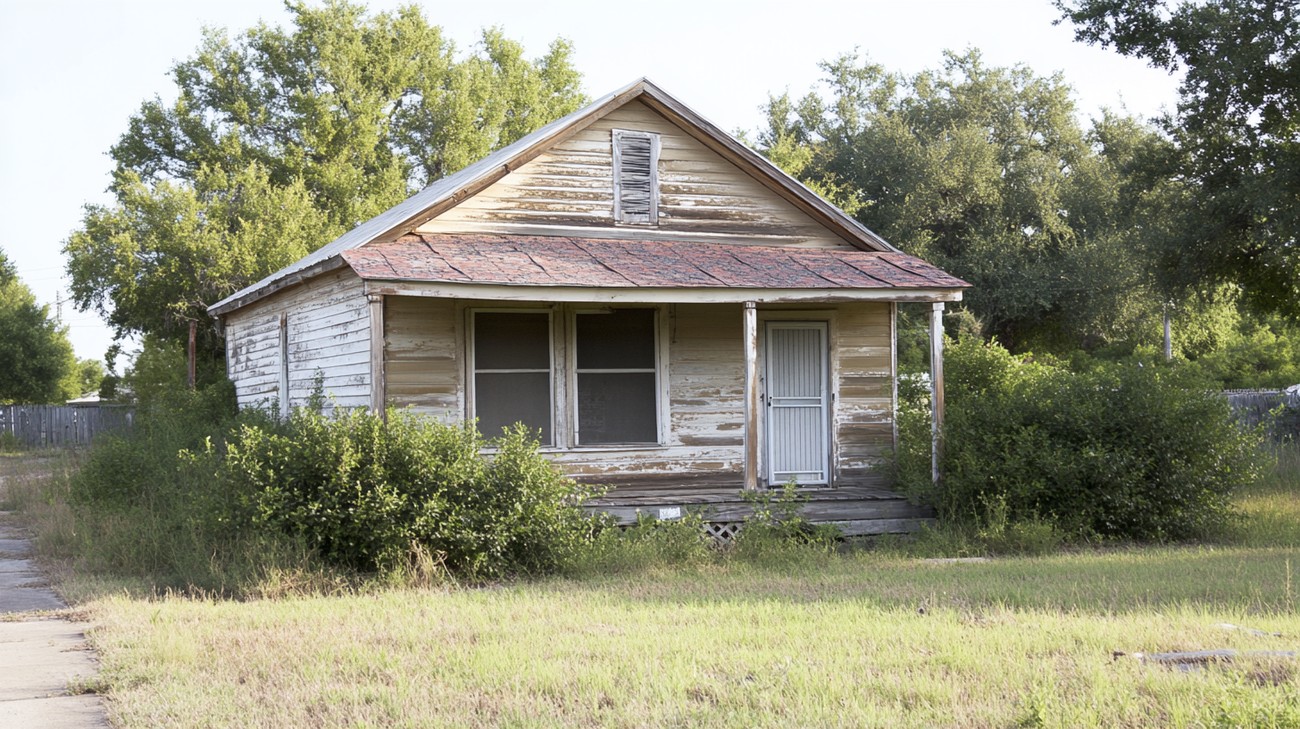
636	177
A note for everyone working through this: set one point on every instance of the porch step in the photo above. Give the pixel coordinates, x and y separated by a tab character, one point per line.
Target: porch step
855	511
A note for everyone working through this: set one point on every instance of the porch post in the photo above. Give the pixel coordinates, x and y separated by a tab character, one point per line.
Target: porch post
377	384
751	396
936	388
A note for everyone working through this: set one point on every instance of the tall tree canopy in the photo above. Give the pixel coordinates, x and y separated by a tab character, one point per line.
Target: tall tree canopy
1237	126
36	360
987	172
282	139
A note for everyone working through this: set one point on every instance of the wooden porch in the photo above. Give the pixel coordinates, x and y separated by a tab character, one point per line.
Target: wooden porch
856	510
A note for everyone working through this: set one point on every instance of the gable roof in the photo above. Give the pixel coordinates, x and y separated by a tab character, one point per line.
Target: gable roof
452	189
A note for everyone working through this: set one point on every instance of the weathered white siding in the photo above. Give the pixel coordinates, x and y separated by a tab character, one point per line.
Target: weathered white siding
569	190
425	366
424	356
863	415
328	341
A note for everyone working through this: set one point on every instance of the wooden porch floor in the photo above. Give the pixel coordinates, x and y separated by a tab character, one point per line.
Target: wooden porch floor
855	510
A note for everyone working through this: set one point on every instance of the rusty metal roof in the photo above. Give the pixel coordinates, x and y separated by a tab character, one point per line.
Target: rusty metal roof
606	263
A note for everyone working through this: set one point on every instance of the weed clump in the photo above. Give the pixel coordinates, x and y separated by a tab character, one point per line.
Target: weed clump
1115	451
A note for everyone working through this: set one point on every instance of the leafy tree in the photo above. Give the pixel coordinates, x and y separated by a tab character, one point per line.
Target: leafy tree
1237	128
35	354
986	172
282	139
84	378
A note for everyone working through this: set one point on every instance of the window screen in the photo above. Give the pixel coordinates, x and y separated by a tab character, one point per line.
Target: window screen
617	377
512	371
636	177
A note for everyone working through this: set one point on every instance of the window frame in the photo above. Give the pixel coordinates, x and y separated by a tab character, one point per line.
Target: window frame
472	370
564	376
620	216
660	359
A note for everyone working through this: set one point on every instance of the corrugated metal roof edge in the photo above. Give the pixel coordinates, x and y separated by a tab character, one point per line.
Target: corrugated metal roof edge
408	211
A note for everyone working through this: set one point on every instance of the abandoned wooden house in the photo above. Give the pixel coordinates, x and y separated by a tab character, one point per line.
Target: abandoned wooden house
674	315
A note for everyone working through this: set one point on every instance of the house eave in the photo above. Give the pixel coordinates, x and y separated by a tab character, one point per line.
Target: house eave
249	296
653	295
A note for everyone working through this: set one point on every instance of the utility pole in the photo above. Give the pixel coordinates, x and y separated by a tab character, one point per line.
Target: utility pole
1169	341
193	332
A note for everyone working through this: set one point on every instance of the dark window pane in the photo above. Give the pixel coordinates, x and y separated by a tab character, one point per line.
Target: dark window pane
617	408
512	341
503	399
621	339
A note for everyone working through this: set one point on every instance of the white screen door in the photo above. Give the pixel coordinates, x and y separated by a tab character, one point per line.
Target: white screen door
797	401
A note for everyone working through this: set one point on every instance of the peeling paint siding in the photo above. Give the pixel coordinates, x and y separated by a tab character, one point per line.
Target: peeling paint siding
422	357
706	375
424	365
328	332
569	189
663	461
863	418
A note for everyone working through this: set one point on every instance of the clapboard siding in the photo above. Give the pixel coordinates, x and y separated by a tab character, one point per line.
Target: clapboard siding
706	377
423	356
863	415
424	367
328	344
570	189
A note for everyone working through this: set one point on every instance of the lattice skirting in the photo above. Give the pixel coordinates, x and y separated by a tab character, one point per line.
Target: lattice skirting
723	531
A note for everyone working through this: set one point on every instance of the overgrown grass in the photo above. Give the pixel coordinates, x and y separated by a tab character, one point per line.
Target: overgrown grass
1270	509
652	633
861	640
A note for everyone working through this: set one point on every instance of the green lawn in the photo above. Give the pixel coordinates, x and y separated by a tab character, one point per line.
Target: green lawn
858	639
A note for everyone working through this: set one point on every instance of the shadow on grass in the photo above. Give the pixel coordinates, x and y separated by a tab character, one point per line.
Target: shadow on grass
1102	581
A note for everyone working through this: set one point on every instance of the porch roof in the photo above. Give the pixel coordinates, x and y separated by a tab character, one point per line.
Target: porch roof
547	261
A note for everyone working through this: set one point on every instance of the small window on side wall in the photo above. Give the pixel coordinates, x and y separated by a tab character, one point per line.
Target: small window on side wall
617	377
512	371
636	177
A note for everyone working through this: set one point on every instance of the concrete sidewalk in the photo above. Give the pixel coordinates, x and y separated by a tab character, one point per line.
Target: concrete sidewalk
43	659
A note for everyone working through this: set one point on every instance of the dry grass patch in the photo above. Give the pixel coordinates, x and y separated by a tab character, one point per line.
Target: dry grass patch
863	640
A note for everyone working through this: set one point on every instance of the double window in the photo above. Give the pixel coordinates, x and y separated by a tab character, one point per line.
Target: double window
608	360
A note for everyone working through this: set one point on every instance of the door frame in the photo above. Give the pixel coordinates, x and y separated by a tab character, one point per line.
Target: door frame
823	324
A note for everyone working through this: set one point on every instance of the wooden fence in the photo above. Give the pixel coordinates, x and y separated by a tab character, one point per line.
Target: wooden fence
62	426
1253	407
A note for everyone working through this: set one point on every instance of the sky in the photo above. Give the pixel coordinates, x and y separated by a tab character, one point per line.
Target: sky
72	73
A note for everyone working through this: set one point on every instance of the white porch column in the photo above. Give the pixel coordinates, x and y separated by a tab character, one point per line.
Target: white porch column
751	395
377	384
936	388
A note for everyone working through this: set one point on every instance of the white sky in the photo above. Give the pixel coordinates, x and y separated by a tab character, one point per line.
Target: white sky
71	73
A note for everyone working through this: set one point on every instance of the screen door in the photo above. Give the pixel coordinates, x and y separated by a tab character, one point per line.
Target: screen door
797	399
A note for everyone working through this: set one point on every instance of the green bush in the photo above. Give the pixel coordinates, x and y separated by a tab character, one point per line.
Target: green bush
650	543
369	493
1115	451
1264	355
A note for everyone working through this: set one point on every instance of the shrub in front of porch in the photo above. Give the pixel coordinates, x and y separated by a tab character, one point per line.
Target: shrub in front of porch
1116	452
371	494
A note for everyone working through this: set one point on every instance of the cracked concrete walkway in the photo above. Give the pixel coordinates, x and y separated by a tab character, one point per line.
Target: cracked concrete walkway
43	659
